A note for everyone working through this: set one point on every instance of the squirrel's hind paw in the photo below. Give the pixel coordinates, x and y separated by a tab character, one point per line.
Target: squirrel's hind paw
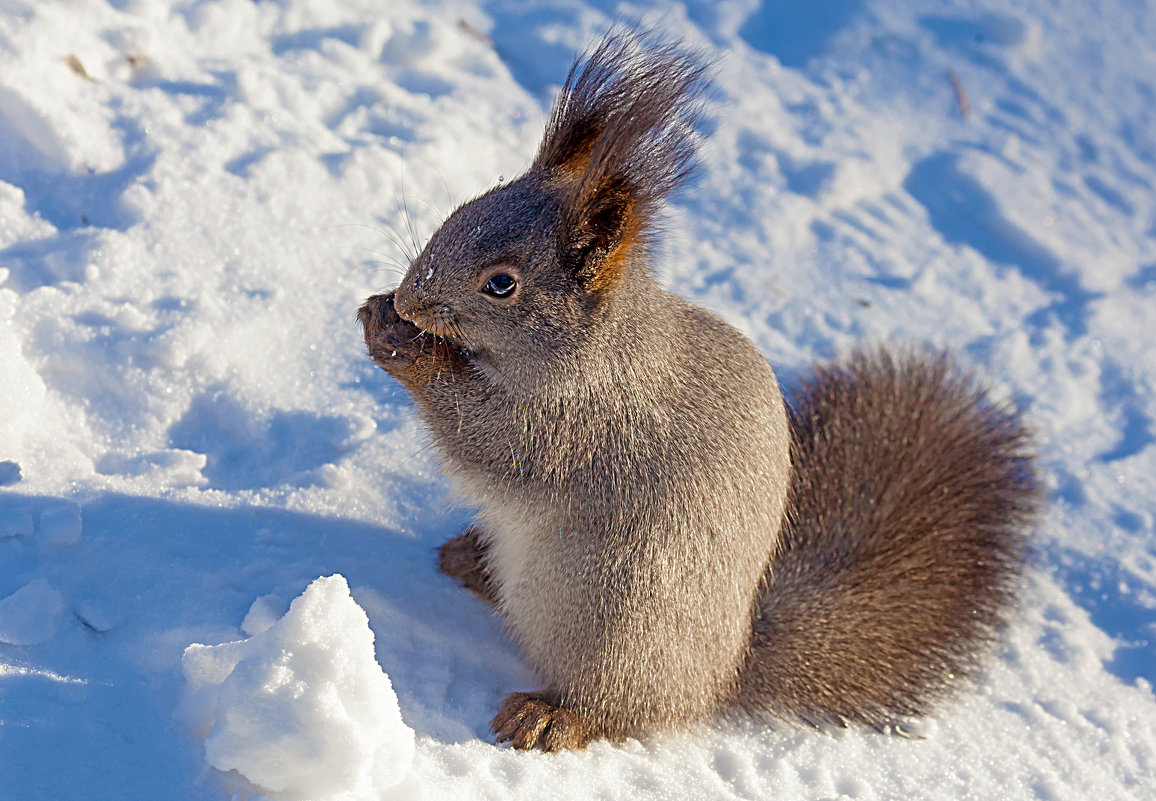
529	720
462	558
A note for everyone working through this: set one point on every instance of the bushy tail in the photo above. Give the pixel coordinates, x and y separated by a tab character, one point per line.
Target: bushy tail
910	498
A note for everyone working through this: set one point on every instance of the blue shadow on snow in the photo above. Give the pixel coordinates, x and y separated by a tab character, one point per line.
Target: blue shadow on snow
965	213
1113	600
795	32
92	711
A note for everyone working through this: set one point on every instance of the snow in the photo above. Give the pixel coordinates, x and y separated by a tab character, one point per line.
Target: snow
195	197
61	525
264	612
9	473
301	709
28	616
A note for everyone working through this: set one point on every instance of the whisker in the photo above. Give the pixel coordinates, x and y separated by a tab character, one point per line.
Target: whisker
417	453
384	228
436	211
459	333
383	265
386	261
374	251
409	221
393	276
446	187
397	240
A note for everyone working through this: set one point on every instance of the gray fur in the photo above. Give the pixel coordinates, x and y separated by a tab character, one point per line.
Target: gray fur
629	455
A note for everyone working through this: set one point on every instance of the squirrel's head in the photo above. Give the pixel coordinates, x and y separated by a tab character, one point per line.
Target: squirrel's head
525	270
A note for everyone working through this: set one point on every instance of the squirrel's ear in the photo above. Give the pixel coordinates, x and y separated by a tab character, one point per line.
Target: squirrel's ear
619	140
598	229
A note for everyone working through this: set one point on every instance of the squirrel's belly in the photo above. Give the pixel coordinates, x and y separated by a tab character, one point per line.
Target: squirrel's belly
509	536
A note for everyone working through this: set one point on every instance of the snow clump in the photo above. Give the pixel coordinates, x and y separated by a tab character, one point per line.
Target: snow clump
301	709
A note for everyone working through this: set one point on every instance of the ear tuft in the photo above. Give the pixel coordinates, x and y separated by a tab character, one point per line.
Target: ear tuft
621	137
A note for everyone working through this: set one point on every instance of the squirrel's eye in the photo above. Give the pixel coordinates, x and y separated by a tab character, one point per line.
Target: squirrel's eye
500	285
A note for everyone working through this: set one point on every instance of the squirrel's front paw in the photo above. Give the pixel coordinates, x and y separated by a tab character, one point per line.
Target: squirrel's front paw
529	720
388	337
401	348
462	558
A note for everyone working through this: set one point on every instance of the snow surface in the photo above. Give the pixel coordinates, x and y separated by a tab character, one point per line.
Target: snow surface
195	196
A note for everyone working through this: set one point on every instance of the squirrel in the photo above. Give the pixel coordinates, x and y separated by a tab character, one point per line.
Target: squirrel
665	539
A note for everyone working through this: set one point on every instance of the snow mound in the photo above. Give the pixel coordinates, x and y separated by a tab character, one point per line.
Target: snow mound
301	709
28	616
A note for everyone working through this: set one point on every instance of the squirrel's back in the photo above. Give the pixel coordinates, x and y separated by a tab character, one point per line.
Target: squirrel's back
910	494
